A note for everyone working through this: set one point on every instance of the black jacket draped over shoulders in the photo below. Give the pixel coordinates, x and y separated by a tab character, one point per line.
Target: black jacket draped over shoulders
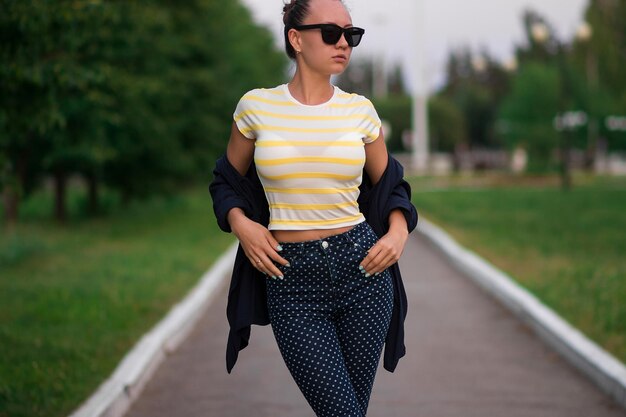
247	292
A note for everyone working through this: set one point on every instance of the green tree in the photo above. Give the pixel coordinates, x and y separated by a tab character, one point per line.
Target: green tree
476	84
135	95
600	58
532	49
446	124
607	19
178	85
527	113
396	110
25	112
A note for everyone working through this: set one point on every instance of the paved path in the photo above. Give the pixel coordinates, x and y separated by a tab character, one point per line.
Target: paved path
467	356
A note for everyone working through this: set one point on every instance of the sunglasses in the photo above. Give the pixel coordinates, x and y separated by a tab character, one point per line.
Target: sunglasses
331	33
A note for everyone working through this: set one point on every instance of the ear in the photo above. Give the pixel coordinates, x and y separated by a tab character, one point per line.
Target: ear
295	39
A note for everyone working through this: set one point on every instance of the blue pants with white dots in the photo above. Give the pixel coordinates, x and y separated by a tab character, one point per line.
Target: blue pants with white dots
330	321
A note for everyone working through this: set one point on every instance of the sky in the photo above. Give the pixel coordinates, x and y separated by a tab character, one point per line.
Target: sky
494	25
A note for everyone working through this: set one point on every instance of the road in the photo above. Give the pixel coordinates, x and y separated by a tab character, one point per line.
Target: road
466	356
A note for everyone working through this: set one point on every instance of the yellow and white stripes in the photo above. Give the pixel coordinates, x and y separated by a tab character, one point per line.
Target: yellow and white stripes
309	158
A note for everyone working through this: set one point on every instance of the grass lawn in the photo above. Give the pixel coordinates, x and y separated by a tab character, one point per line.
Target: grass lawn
75	299
568	248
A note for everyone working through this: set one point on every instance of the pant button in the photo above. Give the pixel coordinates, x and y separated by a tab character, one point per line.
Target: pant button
324	244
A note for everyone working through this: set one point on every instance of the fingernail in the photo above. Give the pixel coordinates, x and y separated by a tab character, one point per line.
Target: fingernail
376	273
367	275
281	277
361	267
273	276
288	265
279	248
364	272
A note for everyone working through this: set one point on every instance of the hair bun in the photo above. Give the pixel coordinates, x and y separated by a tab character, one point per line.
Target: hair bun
289	6
287	9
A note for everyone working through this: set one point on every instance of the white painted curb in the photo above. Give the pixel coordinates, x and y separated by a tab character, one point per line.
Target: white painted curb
115	395
599	365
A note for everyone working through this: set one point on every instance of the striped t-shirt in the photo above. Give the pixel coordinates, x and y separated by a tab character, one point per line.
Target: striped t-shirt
309	158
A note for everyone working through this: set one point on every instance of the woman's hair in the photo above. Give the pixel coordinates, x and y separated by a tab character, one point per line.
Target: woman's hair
294	13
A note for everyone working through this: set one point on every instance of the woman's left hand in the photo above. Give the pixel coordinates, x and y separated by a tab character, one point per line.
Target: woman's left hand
385	252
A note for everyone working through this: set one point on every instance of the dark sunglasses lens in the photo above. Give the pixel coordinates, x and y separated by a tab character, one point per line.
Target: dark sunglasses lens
354	36
331	34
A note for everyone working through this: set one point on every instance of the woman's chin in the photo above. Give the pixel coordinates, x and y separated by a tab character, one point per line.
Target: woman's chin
338	69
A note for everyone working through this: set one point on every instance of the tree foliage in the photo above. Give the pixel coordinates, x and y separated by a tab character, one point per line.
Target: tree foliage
395	109
527	113
446	123
601	58
476	84
135	95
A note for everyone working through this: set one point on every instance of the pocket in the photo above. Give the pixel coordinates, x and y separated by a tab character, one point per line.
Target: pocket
293	260
362	247
365	241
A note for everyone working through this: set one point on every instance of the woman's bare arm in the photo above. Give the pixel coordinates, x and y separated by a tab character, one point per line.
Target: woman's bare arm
240	150
256	240
376	158
389	248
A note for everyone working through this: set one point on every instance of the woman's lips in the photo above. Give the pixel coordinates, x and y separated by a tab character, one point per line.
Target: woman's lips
340	58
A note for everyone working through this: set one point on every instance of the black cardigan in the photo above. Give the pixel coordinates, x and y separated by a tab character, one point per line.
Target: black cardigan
247	296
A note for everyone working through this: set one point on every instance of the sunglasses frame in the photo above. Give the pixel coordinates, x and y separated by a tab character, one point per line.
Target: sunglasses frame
345	32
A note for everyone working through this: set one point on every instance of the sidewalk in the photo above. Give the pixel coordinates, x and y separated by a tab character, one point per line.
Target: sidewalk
466	356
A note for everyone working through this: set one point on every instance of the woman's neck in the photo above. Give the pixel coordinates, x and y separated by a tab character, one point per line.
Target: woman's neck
310	88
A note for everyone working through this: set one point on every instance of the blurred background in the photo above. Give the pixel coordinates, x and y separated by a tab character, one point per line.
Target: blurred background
509	117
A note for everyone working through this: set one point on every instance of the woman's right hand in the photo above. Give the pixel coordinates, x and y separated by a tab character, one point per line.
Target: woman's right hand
257	242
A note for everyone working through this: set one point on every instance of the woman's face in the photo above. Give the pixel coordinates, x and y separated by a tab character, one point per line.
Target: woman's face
315	54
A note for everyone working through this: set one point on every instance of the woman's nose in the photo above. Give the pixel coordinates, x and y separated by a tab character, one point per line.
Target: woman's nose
342	42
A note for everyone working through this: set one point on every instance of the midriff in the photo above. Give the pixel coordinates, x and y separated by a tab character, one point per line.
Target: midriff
302	235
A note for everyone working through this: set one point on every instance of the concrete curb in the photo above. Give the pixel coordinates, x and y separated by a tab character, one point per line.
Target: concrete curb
596	363
115	395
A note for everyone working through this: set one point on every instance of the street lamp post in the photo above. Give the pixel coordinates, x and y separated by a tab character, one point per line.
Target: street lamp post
541	34
566	174
379	67
420	153
584	34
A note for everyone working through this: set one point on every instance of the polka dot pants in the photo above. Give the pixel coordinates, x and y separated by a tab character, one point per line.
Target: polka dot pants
330	321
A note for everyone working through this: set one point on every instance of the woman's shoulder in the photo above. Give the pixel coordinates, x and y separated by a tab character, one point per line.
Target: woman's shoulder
261	97
353	98
264	92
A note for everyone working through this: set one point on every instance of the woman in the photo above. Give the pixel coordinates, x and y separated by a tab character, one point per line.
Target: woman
332	285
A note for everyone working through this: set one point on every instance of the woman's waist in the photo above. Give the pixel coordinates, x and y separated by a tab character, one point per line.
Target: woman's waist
284	236
312	234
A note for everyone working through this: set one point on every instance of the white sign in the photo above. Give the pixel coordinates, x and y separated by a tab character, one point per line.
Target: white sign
570	120
616	123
